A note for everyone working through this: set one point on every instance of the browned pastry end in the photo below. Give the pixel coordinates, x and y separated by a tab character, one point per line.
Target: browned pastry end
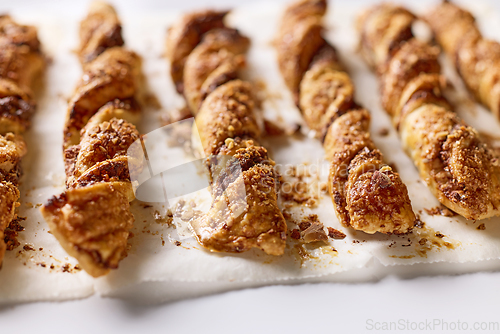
477	59
92	224
21	65
205	60
456	164
100	30
299	39
114	74
366	193
227	127
185	35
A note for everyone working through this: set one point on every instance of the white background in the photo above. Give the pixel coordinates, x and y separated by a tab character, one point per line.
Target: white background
308	308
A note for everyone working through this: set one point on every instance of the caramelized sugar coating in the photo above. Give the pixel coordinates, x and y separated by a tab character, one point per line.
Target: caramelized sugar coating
227	113
366	193
185	35
456	164
244	212
102	146
477	59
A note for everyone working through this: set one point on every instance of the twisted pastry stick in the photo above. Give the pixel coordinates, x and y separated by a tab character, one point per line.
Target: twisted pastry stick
21	64
477	59
211	55
367	194
92	218
457	166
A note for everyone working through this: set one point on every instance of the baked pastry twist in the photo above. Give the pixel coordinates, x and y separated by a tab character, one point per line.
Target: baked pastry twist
92	218
367	194
21	64
456	164
205	57
476	59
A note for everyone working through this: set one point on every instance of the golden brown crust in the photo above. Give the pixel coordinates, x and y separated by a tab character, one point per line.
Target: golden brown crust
9	196
21	64
215	61
366	193
326	91
100	30
237	221
185	35
244	212
476	59
92	218
227	113
102	144
457	166
92	224
21	60
299	39
114	74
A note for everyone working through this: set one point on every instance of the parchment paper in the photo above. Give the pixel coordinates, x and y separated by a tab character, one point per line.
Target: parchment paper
164	263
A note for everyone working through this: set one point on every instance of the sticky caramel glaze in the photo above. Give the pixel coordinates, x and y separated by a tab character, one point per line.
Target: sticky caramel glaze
92	218
477	59
367	194
244	213
21	65
456	164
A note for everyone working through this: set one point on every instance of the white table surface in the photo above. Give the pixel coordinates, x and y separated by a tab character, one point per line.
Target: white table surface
413	304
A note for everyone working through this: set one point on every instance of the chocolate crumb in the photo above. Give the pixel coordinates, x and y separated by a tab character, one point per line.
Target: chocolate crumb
383	132
335	234
295	234
11	233
28	248
304	225
440	210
